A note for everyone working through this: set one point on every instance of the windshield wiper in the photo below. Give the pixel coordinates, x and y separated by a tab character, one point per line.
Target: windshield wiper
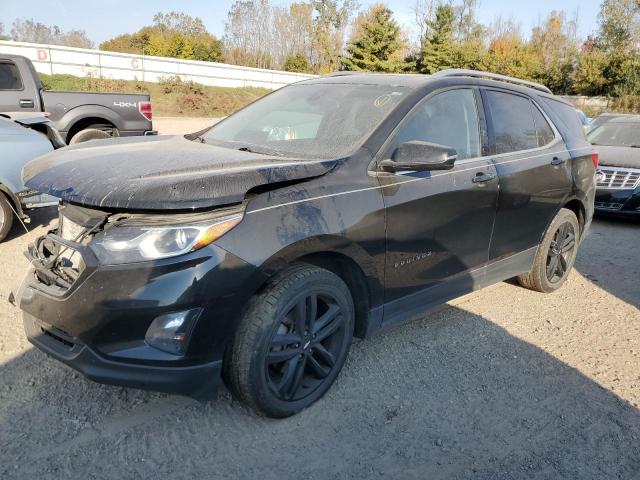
260	152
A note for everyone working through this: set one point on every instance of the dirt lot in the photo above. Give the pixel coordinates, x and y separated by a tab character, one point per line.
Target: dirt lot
181	125
505	384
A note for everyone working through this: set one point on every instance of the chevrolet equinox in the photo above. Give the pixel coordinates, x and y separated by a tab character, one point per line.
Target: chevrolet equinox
255	250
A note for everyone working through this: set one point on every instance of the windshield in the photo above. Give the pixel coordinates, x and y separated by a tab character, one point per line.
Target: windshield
308	120
617	134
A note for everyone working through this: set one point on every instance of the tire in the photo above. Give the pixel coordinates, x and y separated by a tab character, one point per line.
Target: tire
89	134
270	352
6	217
551	266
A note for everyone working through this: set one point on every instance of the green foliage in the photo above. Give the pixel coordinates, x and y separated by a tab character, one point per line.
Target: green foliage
173	34
297	63
377	43
171	96
438	49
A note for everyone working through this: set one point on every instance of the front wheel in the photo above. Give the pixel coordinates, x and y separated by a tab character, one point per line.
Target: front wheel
556	254
292	342
6	217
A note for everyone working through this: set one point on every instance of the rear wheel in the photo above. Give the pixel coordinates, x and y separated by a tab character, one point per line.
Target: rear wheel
6	217
89	134
292	342
556	254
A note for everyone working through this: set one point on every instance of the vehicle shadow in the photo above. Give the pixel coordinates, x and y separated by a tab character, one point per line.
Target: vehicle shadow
598	261
451	396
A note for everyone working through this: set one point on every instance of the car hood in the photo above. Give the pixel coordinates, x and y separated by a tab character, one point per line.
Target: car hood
625	157
160	173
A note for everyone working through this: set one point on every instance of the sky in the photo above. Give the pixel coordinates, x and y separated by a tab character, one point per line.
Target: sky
105	19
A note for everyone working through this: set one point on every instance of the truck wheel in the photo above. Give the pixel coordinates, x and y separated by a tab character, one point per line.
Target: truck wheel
88	134
6	217
292	342
556	254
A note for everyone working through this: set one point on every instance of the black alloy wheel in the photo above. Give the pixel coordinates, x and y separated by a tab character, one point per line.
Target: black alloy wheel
304	349
555	254
292	341
561	252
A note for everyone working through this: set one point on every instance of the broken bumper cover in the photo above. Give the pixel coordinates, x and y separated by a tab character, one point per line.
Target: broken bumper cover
97	323
196	381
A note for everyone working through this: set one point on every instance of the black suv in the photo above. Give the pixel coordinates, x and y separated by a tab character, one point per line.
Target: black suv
256	249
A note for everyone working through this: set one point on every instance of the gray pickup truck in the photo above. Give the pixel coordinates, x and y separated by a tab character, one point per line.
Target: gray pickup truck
78	116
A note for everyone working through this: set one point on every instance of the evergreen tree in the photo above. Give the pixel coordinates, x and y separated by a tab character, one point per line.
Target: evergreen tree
377	43
438	50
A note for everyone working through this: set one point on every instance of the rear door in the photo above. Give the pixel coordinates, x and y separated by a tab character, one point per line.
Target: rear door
438	223
534	169
15	96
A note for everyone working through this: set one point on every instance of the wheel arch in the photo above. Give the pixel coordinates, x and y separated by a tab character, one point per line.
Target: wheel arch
83	116
85	123
13	199
577	207
346	259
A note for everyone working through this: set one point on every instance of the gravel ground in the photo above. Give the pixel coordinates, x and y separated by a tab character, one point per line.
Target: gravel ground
181	125
505	384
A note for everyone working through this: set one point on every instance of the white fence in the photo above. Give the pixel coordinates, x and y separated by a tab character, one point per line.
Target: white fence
51	59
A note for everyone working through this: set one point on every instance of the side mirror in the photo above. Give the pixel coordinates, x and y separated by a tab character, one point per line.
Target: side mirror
420	156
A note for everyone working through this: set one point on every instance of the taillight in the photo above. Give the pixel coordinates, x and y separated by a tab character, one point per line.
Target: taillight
146	110
595	158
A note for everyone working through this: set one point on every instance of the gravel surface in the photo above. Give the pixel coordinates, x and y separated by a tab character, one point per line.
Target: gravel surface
505	384
181	125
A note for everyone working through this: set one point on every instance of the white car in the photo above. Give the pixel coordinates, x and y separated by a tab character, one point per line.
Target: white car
23	137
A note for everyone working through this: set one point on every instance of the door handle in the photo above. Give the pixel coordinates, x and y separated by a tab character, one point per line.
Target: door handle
26	103
557	161
482	177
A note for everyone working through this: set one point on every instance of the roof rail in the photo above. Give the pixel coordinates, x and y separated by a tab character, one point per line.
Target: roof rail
341	73
459	72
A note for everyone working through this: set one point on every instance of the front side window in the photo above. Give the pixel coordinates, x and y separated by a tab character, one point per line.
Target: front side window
9	77
312	120
513	125
449	118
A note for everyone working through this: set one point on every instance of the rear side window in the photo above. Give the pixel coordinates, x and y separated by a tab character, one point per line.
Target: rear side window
545	134
513	125
569	121
9	77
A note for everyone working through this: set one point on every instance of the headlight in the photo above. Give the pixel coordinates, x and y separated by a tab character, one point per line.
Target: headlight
129	244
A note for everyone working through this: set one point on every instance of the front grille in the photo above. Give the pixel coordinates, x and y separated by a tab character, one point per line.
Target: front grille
608	205
617	178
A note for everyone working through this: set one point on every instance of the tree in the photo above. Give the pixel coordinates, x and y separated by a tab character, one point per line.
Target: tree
330	22
437	50
35	32
248	33
2	35
556	46
376	44
173	34
619	25
297	63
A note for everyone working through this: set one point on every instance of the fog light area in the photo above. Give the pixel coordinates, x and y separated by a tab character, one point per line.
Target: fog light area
170	332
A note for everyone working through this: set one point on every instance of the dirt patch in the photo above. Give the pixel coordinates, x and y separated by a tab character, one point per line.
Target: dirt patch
507	384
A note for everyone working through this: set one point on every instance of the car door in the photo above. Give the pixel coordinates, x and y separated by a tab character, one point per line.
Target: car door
13	95
439	223
534	169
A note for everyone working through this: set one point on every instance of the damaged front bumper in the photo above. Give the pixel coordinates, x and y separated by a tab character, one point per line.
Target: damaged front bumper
94	317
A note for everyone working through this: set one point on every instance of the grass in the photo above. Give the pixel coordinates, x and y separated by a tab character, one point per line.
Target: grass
171	97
